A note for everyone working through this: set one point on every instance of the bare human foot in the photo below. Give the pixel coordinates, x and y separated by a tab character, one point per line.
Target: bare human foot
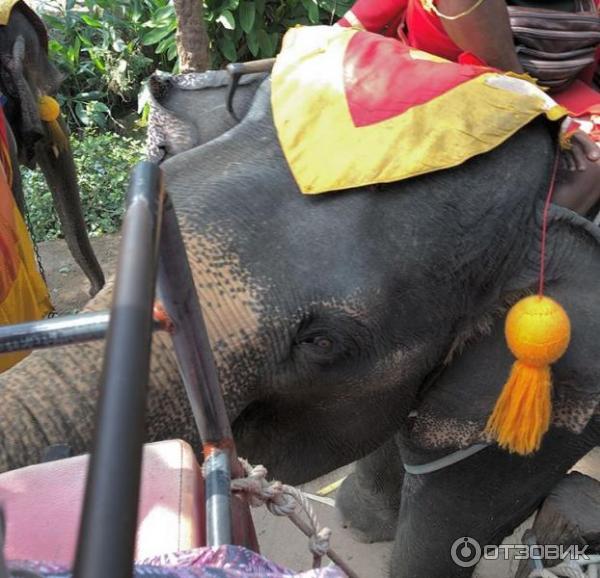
578	181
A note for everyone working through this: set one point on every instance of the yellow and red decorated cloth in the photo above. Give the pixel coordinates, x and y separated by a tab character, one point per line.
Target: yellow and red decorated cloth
352	108
23	293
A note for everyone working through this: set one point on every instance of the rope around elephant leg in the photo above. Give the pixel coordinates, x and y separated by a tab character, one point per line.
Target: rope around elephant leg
284	500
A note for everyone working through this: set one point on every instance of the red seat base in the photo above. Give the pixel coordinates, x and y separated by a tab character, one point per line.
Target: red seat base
43	505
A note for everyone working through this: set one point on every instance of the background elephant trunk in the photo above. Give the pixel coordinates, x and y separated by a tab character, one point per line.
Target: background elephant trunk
17	181
59	170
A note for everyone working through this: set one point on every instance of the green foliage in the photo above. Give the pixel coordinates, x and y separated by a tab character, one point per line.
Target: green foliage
248	29
105	48
103	162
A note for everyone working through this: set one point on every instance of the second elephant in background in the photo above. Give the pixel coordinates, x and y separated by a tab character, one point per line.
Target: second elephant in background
28	81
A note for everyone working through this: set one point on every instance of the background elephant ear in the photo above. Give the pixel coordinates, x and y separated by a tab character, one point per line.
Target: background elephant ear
36	22
457	402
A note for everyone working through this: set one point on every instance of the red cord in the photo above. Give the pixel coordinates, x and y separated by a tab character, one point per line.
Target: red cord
545	222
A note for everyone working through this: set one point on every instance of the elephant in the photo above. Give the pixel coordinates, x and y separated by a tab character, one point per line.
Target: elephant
360	325
26	74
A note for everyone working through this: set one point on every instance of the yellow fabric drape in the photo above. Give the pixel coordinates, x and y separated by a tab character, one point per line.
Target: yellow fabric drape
327	152
23	294
6	7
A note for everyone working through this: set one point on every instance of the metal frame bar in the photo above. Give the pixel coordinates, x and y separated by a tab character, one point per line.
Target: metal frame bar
63	330
109	520
178	296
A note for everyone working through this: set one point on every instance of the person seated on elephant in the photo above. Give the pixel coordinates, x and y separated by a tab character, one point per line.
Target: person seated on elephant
480	35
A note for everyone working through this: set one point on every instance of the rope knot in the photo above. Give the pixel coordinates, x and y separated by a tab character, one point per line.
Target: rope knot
282	500
319	543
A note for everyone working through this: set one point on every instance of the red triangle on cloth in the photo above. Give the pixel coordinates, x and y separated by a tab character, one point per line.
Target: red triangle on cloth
382	81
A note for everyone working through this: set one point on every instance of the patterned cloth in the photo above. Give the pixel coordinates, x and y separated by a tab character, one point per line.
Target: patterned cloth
222	562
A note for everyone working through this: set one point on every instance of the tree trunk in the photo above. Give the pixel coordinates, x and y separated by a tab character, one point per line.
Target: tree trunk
192	40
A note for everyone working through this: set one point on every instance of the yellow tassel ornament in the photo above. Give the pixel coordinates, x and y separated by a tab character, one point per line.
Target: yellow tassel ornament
537	332
49	110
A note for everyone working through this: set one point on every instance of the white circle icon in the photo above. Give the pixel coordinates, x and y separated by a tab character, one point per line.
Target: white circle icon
465	552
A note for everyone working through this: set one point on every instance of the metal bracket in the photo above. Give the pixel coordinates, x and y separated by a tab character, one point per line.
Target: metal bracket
238	69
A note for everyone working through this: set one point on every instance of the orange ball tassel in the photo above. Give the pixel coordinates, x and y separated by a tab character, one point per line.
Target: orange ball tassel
49	110
538	332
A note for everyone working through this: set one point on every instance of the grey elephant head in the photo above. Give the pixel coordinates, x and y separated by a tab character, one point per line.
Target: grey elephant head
26	75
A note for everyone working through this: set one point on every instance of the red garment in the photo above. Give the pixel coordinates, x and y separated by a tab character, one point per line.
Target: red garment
390	17
425	31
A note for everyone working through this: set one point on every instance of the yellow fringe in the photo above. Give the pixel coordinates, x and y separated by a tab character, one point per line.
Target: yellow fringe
522	413
60	141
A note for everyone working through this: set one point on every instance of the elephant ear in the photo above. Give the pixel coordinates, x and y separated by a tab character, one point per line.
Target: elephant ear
188	110
455	406
36	23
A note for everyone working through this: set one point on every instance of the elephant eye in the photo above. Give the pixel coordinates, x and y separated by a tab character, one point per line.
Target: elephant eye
327	339
320	342
323	343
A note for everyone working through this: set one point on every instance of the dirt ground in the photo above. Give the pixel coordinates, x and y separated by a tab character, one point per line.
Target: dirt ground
280	541
68	285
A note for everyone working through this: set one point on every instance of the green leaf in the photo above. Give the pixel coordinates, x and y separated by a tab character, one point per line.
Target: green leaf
260	6
172	52
91	21
247	13
313	13
229	5
82	114
166	13
93	95
228	49
252	42
275	37
226	20
83	39
155	36
164	45
264	42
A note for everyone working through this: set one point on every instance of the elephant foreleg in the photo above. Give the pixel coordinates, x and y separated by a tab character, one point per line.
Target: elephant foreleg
482	498
369	498
59	169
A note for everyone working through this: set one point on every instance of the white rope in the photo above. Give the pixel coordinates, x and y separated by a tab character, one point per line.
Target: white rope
282	500
570	569
566	570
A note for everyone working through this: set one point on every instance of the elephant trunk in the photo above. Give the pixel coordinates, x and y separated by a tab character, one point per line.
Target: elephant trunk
50	398
59	169
17	181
